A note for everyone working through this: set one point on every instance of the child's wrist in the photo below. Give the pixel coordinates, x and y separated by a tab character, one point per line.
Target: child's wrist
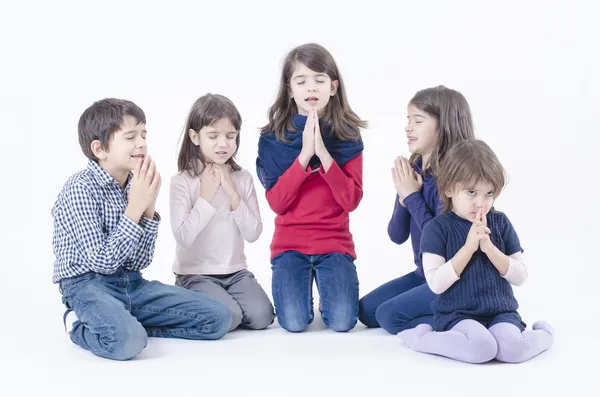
469	250
149	212
133	213
303	158
235	201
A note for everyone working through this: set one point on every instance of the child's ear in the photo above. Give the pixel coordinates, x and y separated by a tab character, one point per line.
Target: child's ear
98	150
194	136
334	87
448	193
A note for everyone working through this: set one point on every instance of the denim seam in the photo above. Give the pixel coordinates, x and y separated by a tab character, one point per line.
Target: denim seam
95	314
201	319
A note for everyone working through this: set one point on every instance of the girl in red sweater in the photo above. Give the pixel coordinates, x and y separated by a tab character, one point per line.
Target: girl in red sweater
310	163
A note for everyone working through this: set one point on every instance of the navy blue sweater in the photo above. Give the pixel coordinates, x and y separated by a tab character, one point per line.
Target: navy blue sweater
420	208
481	293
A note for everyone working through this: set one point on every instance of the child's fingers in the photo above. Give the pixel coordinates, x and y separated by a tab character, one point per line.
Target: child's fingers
407	167
419	177
309	123
401	169
138	165
482	229
155	180
145	165
395	174
150	172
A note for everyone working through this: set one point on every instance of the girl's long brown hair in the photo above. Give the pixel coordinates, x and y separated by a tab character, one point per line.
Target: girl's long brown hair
339	116
453	115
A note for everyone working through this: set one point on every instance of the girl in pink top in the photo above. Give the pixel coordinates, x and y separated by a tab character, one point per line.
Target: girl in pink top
213	210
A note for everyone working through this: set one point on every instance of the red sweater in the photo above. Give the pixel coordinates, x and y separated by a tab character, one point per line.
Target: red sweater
313	208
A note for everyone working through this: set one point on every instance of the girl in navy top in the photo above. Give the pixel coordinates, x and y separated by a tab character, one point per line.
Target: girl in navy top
471	255
437	118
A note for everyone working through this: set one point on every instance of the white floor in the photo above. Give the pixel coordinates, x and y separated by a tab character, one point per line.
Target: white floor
38	356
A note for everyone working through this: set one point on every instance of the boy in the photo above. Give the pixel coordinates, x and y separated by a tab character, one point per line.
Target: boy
105	230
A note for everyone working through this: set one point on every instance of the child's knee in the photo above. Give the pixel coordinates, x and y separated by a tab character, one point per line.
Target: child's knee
390	319
127	343
366	312
485	348
512	350
218	322
341	322
260	317
293	319
236	317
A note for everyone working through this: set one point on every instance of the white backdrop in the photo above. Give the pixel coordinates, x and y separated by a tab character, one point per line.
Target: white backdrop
528	69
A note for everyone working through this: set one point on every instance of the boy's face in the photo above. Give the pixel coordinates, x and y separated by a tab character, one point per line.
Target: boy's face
126	146
311	90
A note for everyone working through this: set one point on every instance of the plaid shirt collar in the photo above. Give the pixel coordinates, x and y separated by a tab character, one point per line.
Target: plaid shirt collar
103	178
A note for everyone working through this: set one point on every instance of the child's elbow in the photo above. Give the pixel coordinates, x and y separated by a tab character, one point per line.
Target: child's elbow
254	236
436	289
277	208
351	205
521	281
397	237
182	239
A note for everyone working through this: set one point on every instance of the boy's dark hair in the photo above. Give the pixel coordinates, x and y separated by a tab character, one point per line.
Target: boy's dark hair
102	119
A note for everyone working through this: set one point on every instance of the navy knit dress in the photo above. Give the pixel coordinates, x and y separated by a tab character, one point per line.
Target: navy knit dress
481	293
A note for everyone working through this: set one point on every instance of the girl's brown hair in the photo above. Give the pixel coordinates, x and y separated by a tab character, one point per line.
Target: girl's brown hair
339	116
469	161
206	111
453	115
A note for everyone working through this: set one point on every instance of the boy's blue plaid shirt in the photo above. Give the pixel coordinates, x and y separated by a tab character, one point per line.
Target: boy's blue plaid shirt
92	232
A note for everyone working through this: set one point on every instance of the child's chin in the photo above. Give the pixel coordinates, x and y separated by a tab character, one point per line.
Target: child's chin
219	161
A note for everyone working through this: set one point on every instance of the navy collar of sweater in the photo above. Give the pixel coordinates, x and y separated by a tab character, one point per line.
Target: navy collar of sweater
275	156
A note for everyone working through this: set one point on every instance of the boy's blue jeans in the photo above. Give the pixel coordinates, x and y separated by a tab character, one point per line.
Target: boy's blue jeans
116	313
337	283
